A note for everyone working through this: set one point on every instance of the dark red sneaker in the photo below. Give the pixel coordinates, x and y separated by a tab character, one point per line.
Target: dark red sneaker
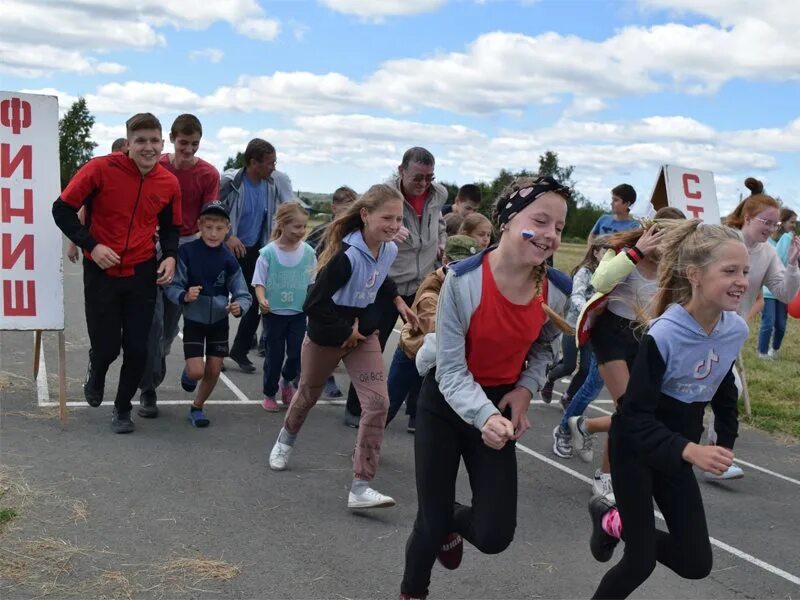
451	551
410	597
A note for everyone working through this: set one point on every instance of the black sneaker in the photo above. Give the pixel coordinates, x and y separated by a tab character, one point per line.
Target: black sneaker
601	544
412	425
147	404
243	362
121	422
547	391
93	386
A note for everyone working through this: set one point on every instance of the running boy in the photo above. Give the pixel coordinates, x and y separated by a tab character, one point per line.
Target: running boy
207	275
622	198
126	197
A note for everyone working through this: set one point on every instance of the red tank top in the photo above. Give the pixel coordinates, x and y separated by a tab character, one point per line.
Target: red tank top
501	333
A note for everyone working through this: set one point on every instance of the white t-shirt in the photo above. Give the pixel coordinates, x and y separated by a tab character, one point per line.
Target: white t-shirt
632	295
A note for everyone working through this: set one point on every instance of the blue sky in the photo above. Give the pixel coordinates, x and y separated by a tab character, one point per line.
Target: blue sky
343	87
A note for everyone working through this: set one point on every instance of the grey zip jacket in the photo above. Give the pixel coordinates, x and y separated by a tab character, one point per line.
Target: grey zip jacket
417	256
458	301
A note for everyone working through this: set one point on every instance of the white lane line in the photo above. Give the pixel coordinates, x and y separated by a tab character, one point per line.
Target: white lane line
738	460
767	471
714	542
236	391
75	404
42	390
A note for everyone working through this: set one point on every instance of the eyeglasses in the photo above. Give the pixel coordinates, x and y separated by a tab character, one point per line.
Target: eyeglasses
768	222
420	178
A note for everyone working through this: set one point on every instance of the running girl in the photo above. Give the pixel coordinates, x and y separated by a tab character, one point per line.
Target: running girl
477	227
343	308
282	275
492	319
685	360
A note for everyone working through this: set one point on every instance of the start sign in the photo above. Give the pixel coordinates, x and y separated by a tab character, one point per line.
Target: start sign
32	287
690	190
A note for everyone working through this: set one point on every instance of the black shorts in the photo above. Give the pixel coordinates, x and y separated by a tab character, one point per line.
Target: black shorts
209	339
615	338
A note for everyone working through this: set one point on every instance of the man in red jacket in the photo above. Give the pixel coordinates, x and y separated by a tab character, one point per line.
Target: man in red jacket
126	198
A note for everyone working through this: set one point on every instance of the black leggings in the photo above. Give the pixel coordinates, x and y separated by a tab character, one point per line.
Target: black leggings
685	549
441	440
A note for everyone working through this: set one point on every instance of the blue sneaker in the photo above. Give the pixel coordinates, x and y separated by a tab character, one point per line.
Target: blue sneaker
198	417
188	384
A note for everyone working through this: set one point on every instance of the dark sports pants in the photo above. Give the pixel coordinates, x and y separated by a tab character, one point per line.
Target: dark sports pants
442	439
119	313
685	549
248	325
388	320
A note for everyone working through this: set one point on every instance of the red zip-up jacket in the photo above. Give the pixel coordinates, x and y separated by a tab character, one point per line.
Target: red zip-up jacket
123	209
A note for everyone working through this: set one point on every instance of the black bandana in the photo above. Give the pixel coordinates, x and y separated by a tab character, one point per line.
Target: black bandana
525	196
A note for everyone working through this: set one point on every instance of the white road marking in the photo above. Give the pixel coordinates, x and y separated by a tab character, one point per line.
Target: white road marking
42	390
74	404
714	542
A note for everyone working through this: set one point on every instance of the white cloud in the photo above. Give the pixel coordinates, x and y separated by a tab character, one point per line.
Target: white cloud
583	106
377	10
135	96
47	36
213	55
299	30
259	29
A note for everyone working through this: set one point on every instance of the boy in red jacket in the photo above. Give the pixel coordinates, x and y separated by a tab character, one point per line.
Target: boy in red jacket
126	197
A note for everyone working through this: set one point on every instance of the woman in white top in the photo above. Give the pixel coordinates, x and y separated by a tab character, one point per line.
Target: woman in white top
757	216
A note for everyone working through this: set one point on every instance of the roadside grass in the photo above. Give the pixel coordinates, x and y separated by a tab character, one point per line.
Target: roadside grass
774	385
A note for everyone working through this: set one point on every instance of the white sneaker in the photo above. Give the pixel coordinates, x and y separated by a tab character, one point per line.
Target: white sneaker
733	472
773	354
279	457
602	486
765	356
369	498
581	442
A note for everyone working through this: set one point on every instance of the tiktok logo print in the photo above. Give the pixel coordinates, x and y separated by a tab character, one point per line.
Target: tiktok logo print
703	368
373	278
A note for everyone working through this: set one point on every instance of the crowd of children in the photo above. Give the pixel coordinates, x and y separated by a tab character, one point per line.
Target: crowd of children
656	311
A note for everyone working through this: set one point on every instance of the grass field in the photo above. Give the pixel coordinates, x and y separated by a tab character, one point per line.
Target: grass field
774	385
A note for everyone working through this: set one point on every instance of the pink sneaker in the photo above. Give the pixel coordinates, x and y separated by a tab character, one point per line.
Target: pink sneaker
287	393
269	404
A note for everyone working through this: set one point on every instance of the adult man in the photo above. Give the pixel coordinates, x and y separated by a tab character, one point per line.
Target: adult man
120	145
420	242
251	195
126	198
199	183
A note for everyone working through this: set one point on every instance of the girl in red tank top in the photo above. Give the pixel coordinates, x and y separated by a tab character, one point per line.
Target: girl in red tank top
493	341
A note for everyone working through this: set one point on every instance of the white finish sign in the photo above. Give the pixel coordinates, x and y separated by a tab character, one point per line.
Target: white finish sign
31	246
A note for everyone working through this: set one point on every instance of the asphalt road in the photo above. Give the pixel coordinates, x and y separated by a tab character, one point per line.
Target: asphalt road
169	490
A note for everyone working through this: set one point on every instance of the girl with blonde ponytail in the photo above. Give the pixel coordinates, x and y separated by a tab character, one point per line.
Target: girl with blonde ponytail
494	333
684	362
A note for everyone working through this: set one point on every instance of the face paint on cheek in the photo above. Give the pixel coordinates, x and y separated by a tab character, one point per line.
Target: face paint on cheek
527	234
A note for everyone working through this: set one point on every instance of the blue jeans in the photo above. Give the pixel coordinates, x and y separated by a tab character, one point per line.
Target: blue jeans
773	318
590	389
404	381
283	338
